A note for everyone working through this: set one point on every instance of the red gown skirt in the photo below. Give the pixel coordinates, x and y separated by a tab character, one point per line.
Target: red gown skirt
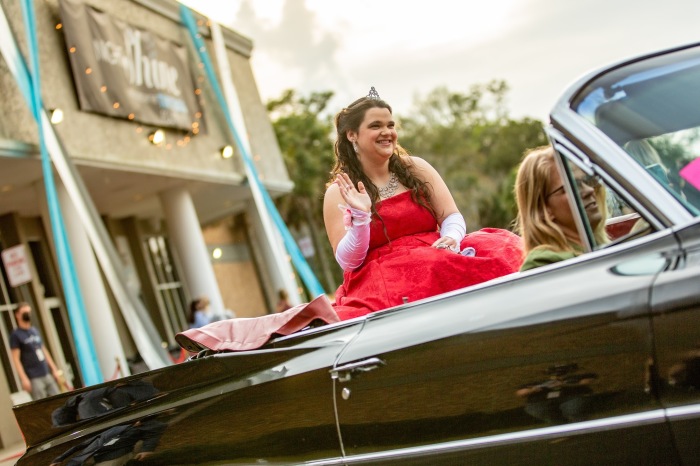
401	266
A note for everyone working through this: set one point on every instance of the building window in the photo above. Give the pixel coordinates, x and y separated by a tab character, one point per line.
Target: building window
168	287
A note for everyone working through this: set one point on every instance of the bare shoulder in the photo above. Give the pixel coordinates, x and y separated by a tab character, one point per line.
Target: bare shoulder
332	191
332	196
417	161
421	168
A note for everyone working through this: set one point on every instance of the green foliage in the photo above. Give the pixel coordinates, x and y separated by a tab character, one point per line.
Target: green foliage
304	137
475	146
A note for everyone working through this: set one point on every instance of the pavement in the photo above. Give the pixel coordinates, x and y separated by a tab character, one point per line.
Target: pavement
10	455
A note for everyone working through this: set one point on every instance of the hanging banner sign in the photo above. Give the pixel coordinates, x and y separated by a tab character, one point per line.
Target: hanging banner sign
127	72
16	265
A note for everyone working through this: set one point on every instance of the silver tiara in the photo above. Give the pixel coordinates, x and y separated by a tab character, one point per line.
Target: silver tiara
373	94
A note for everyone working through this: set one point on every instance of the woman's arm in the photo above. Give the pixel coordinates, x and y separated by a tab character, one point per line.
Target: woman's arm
342	192
452	226
332	216
349	236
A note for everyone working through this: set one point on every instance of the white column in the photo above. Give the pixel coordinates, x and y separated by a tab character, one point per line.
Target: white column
279	258
186	237
275	274
100	316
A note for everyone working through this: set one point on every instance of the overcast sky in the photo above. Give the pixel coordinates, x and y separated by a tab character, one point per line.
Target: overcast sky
406	48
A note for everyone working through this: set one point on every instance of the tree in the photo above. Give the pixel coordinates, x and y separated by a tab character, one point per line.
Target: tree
472	142
304	137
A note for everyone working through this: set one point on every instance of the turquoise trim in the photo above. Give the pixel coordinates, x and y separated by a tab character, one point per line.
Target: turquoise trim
82	335
305	272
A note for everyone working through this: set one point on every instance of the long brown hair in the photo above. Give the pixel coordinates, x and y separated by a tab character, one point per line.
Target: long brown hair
346	161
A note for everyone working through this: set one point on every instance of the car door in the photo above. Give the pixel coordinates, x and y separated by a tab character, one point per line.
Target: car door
676	310
448	379
271	405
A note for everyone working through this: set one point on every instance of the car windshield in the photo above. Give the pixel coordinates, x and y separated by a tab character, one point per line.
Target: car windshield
651	109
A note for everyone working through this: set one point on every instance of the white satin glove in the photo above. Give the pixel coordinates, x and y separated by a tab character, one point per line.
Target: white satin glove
352	248
454	227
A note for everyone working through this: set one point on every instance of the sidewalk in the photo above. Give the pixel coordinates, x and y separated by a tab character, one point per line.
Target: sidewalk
10	455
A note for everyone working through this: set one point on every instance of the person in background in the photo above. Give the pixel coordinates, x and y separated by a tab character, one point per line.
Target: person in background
545	220
283	302
393	224
37	370
200	313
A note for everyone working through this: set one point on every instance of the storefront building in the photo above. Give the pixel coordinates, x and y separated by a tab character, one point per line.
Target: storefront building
178	211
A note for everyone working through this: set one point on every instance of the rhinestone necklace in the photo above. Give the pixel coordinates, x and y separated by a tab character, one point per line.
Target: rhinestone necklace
390	188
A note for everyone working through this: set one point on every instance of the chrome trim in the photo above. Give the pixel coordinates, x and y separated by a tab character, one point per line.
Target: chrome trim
648	417
323	462
573	89
573	196
568	125
364	365
683	411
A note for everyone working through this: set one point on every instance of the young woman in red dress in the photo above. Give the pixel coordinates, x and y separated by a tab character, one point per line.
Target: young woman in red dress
393	224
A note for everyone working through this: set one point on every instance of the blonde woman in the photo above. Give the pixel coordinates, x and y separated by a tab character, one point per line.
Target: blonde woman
545	220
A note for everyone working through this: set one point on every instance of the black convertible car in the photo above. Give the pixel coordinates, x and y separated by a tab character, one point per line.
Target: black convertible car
593	360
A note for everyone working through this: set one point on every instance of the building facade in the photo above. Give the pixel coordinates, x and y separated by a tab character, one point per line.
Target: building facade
180	216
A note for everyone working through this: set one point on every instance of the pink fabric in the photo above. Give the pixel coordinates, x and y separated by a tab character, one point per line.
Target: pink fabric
407	268
691	173
250	333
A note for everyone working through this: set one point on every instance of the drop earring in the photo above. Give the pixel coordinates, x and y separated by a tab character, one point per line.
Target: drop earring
354	147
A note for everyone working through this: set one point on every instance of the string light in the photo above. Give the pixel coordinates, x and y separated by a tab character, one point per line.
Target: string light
56	116
227	152
157	137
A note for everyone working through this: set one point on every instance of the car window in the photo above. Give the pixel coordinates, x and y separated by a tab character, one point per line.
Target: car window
649	108
616	220
679	168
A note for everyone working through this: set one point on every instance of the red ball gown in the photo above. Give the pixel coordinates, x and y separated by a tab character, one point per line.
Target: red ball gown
401	266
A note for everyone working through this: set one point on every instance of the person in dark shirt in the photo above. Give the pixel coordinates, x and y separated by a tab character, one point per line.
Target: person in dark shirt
37	371
562	398
122	444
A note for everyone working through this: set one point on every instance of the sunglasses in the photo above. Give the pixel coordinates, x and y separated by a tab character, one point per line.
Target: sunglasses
592	181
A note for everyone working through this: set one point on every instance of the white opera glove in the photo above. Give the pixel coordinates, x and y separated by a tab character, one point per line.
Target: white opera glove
454	227
352	249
